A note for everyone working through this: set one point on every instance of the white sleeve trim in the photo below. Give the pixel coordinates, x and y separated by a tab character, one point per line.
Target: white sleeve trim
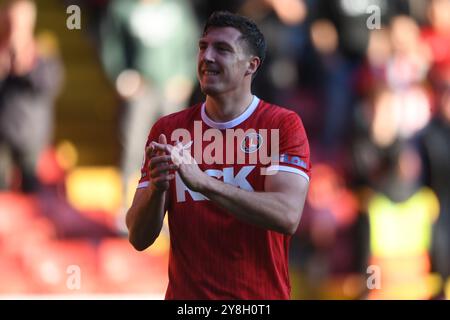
288	169
143	184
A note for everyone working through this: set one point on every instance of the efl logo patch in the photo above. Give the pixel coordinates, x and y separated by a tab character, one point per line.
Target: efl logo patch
251	142
285	158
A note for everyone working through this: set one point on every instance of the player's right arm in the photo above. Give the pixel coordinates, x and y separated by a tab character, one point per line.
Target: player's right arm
145	217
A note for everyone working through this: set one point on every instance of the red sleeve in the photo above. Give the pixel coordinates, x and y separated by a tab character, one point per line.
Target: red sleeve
293	148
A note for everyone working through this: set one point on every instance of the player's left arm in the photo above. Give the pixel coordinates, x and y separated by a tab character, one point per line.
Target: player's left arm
278	208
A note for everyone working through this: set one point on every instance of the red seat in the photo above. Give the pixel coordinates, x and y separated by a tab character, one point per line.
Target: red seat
123	269
16	211
58	266
21	222
13	279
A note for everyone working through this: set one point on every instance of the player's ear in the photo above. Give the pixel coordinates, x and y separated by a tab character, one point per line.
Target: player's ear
253	65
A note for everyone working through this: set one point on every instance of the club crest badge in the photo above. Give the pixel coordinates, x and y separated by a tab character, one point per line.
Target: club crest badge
251	142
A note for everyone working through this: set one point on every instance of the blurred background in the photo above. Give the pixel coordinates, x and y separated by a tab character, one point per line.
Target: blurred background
370	79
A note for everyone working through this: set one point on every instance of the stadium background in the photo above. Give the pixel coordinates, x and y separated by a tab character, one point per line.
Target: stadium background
376	107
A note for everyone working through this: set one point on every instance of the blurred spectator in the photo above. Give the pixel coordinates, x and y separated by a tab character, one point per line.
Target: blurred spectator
437	37
27	92
396	57
336	74
147	49
372	73
410	59
399	115
382	122
435	145
5	34
333	234
401	215
289	74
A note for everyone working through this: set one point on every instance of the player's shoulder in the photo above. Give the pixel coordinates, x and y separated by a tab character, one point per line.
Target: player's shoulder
277	113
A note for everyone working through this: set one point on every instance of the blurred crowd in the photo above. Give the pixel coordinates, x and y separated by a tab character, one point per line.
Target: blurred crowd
369	78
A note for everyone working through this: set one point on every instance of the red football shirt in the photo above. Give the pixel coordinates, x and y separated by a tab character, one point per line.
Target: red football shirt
213	255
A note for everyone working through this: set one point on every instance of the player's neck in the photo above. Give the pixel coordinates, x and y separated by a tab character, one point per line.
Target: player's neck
223	109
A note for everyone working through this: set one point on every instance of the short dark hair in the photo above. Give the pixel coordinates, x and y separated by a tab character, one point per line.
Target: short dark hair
252	36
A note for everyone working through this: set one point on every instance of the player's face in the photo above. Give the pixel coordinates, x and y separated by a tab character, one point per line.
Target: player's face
223	61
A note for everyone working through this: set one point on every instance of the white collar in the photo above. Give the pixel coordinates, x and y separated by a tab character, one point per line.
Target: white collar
234	122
